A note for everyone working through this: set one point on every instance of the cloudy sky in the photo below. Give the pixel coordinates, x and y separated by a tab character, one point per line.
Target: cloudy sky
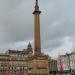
57	25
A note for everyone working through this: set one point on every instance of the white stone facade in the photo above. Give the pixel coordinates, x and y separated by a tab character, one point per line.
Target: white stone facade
68	61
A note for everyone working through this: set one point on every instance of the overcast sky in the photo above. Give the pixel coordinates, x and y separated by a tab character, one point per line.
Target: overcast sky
57	25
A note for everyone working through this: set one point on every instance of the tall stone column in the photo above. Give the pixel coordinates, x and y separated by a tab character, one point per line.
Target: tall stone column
37	40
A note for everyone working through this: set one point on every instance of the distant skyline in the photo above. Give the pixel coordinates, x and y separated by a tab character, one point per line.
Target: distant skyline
57	25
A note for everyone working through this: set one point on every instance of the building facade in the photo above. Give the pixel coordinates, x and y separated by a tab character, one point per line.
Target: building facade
60	63
16	61
68	61
53	66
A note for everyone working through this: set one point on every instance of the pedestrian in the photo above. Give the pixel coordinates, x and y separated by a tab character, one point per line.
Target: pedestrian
73	73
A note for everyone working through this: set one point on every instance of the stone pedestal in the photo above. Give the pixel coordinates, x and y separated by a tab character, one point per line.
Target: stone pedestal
39	66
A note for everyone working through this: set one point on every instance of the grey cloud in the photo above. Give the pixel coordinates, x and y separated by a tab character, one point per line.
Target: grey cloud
52	44
16	26
17	21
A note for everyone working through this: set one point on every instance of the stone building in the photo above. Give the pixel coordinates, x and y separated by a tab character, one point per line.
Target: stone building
26	61
53	66
68	62
16	61
60	63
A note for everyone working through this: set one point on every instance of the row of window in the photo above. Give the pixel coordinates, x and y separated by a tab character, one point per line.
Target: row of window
13	68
